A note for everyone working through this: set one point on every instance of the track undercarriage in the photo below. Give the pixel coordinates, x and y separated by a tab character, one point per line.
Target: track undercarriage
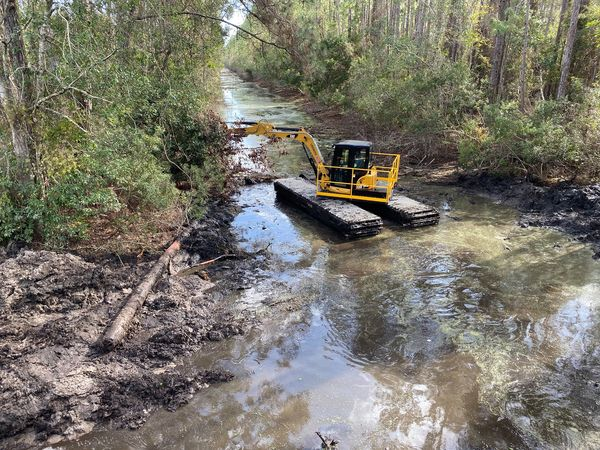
358	219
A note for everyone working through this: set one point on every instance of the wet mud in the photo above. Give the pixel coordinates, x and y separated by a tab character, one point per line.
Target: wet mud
56	382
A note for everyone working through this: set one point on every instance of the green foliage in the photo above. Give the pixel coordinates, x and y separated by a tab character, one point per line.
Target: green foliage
332	60
126	162
556	138
592	23
255	60
57	215
403	90
192	139
198	149
122	116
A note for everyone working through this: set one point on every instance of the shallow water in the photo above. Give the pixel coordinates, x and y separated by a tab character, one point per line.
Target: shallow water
472	334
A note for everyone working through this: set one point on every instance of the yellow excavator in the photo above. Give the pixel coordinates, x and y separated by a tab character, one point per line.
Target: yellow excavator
355	173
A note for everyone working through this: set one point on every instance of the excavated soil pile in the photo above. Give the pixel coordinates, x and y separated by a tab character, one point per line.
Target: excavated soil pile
54	380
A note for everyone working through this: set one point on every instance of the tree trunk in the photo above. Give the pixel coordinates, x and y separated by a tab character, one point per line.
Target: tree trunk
45	33
498	53
338	25
561	18
420	20
584	54
349	24
118	328
407	21
16	85
451	43
565	65
378	16
523	68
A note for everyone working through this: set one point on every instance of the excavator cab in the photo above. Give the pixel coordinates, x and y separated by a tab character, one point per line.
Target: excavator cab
350	162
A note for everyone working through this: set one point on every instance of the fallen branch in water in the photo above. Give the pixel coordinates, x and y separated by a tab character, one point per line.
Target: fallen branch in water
118	329
199	266
327	443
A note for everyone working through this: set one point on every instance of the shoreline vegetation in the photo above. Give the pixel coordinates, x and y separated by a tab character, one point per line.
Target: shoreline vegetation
109	142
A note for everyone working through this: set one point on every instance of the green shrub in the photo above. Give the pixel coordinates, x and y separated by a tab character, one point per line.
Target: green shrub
332	59
191	138
555	139
125	160
58	214
403	90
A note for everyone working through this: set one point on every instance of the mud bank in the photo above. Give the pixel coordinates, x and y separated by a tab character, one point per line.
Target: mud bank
567	207
56	383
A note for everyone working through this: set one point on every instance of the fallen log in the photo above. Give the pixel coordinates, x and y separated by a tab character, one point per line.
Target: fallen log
118	328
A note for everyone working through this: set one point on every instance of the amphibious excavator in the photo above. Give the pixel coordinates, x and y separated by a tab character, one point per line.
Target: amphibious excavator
356	173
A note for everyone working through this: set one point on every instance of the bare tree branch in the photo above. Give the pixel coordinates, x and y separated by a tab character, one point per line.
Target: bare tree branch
71	85
58	113
218	19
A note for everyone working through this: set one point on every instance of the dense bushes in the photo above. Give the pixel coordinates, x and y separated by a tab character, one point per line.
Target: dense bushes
402	90
392	88
265	62
554	139
333	59
119	115
115	170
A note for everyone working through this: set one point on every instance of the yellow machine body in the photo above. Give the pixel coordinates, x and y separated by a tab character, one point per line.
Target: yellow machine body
354	178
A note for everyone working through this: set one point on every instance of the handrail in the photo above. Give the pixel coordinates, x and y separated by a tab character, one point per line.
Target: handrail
386	177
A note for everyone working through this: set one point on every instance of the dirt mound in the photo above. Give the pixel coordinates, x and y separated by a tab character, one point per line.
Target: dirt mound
54	380
52	283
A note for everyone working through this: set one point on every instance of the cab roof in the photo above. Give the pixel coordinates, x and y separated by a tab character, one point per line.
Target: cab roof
353	143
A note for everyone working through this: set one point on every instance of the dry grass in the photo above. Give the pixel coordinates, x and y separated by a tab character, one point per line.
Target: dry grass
132	233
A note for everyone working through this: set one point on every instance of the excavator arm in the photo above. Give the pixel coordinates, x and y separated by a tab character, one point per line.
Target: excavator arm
375	183
296	133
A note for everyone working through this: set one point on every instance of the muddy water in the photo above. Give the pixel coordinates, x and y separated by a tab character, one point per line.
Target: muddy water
472	334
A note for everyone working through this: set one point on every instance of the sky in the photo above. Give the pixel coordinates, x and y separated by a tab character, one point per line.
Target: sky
237	18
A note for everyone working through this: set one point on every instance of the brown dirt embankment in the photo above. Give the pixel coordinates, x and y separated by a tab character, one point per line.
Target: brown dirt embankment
55	382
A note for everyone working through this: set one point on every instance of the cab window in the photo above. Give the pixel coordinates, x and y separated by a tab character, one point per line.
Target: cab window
360	159
341	157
